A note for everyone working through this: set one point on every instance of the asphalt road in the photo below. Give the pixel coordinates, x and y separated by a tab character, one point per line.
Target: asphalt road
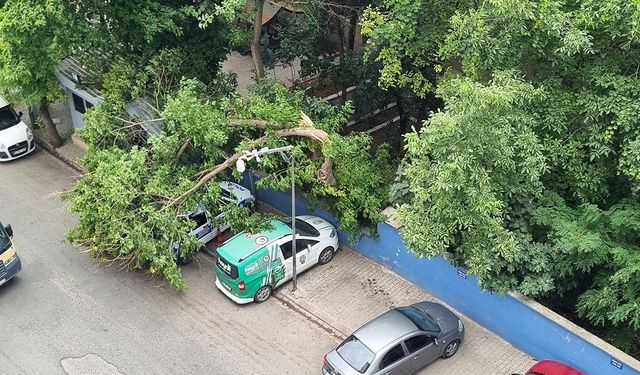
66	314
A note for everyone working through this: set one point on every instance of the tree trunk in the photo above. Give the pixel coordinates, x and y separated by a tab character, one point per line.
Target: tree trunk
343	85
353	24
55	140
255	43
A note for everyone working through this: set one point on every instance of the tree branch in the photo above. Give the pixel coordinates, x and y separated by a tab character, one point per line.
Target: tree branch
325	174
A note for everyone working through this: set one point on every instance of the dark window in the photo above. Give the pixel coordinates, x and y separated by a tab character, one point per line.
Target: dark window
418	342
226	267
88	105
200	219
287	249
302	244
78	104
8	117
394	355
303	228
422	320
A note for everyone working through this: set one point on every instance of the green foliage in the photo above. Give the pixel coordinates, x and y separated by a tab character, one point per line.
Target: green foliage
404	36
464	165
532	182
34	37
127	202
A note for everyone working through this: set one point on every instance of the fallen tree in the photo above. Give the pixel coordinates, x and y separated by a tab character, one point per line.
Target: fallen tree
137	186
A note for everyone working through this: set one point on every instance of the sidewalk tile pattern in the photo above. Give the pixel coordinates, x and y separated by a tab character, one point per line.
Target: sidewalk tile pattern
353	289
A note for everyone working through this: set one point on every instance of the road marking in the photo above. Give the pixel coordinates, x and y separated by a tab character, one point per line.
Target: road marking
89	364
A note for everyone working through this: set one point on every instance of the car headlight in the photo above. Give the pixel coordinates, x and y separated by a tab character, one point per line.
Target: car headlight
460	326
11	260
29	134
333	233
2	147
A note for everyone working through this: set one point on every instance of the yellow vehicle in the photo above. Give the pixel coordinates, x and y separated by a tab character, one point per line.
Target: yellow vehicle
9	261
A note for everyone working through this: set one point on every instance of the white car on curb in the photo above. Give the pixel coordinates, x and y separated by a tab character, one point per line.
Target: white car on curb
205	226
16	139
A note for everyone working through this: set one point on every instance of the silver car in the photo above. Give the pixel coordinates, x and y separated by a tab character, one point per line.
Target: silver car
401	341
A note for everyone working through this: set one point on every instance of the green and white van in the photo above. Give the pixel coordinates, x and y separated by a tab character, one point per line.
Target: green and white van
250	266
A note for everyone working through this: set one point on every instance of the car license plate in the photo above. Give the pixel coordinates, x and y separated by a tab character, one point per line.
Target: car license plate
21	150
2	281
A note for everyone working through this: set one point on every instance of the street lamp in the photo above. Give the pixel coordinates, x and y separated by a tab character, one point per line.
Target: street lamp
255	154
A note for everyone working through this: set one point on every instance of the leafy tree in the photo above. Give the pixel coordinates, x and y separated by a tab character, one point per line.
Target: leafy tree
34	38
136	188
404	37
141	31
549	185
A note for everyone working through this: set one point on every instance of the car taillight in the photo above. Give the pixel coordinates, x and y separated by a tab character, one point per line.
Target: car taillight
241	285
324	361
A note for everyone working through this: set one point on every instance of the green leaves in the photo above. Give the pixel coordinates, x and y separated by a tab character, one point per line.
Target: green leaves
464	165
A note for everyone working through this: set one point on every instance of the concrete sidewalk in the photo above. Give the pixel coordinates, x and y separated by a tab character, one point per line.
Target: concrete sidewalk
351	290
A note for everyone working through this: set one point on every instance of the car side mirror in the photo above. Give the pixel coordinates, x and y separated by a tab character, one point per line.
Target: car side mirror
435	341
309	247
20	114
9	230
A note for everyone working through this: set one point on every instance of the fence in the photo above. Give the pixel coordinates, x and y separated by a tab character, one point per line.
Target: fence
524	323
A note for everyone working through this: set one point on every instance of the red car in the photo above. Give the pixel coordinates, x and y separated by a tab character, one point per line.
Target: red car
550	367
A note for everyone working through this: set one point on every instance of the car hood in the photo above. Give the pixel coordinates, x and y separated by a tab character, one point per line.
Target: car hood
14	134
319	223
447	320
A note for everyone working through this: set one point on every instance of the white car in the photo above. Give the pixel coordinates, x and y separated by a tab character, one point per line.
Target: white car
207	227
16	139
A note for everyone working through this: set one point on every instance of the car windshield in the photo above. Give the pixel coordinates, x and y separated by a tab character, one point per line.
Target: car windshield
5	241
8	117
355	353
303	228
422	320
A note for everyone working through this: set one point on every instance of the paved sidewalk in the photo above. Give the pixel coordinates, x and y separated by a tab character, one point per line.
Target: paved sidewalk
351	289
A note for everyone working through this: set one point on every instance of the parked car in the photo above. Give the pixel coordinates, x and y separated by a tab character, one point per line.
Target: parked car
9	261
205	226
16	139
551	367
401	341
250	266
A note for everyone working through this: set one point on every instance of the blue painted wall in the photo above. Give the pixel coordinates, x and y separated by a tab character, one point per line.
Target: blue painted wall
504	315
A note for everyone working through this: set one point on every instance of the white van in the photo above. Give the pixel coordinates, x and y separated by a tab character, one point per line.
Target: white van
16	139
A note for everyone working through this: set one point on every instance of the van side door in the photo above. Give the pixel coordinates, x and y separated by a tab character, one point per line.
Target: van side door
307	253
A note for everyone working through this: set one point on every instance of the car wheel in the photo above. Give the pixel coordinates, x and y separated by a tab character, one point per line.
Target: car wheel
182	261
451	349
326	255
262	294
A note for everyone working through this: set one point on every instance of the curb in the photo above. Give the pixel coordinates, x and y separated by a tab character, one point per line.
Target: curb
51	150
306	310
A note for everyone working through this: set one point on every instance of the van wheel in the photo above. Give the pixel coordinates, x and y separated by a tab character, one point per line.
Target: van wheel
326	255
183	261
262	294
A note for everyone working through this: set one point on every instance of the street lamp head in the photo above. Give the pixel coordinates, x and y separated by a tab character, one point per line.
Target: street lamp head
240	166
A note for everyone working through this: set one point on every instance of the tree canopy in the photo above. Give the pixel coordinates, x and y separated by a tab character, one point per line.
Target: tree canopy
529	176
137	185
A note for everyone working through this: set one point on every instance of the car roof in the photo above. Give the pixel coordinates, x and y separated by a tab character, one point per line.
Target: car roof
384	329
243	244
551	367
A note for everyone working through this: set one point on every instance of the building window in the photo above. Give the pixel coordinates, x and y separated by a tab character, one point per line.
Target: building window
78	104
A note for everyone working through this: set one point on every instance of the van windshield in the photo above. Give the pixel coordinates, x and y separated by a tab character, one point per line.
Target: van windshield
8	117
5	242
